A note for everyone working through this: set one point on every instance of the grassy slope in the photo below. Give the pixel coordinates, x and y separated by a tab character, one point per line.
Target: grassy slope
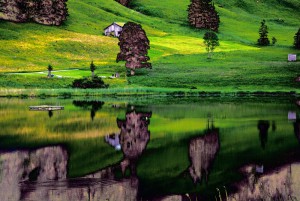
175	47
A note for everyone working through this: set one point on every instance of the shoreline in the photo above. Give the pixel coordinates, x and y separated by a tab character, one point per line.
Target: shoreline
145	92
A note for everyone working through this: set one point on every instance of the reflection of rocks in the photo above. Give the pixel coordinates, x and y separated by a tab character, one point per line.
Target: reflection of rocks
134	137
263	127
99	186
282	184
202	152
48	12
41	165
48	168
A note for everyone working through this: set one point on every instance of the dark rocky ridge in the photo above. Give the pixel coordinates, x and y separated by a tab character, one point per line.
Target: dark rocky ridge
47	12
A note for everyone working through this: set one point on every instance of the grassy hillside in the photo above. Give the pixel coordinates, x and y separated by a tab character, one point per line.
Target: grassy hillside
177	52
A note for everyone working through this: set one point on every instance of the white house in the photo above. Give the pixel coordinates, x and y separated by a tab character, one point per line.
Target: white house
113	30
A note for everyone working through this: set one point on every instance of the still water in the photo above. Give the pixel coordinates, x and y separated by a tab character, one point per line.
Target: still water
151	149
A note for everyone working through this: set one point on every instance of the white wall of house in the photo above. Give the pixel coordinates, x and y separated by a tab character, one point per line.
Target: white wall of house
113	28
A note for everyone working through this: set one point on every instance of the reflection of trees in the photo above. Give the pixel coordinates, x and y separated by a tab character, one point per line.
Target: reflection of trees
94	106
50	113
134	137
263	127
202	152
297	129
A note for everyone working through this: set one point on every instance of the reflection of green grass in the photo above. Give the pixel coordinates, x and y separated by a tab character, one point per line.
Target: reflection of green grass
163	164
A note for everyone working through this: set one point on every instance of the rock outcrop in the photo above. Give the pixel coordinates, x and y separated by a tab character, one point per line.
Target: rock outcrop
47	12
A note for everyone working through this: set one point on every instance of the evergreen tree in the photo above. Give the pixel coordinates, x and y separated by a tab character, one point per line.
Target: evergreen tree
134	46
92	68
297	40
263	34
211	41
202	14
50	68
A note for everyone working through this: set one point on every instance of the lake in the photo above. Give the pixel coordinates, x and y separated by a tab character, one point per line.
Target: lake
166	148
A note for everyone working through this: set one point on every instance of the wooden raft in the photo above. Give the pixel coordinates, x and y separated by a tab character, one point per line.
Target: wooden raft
45	108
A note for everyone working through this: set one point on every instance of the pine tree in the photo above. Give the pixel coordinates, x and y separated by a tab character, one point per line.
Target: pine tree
50	68
297	40
202	14
134	46
93	68
263	34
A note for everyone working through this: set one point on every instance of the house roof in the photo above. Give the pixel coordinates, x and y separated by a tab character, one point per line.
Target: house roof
120	24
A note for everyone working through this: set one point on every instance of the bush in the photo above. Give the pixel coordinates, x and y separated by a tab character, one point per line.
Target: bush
89	82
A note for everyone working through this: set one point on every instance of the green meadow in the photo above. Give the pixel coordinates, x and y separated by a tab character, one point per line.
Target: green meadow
177	53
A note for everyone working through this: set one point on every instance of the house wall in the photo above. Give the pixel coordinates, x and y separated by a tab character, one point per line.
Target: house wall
113	28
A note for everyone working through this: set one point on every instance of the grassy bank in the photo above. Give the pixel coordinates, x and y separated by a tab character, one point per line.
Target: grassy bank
177	52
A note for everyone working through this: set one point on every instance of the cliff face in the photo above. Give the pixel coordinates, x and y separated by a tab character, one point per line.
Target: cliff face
47	12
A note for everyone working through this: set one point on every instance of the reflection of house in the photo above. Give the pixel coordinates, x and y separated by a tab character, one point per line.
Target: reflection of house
292	116
113	140
113	30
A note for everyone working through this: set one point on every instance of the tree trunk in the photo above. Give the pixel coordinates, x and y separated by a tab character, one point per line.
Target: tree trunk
132	72
49	73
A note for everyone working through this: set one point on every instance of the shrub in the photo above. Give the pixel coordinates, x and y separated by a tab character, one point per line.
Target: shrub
88	82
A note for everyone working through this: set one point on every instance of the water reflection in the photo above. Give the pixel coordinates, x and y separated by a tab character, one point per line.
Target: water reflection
39	165
202	152
279	184
50	113
297	129
134	137
263	127
94	106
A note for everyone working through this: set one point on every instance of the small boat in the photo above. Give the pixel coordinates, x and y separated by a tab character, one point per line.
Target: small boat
46	108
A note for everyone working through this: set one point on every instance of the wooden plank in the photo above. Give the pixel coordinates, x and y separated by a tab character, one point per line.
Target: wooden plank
45	108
